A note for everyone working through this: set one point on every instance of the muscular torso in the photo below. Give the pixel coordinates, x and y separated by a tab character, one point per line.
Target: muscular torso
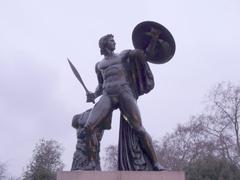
113	72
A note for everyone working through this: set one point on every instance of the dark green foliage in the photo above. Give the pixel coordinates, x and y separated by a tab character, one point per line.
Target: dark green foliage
212	168
2	171
46	161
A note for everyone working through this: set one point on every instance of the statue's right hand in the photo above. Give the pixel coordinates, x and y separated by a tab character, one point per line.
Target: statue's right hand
91	97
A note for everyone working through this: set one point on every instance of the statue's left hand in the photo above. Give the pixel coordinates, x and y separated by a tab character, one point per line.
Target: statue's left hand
154	33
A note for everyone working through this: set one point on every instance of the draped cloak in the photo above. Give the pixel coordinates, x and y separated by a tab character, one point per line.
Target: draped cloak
131	155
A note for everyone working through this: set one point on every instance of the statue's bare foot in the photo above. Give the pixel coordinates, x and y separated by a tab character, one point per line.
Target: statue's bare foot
158	167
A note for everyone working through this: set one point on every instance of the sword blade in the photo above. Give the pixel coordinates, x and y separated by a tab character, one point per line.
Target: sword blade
77	75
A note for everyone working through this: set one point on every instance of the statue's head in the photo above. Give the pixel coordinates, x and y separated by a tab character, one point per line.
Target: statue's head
106	44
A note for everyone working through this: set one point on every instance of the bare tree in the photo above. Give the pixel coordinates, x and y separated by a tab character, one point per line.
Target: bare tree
215	132
111	158
186	144
46	161
223	119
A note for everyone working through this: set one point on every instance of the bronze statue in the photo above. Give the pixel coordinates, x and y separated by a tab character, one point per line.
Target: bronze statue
122	78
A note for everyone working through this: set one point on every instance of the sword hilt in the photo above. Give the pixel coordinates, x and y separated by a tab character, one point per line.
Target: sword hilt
88	92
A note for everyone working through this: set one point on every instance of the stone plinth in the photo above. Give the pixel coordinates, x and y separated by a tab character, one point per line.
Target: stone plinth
121	175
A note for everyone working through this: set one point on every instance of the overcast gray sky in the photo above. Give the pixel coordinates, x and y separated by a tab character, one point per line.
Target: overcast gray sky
39	93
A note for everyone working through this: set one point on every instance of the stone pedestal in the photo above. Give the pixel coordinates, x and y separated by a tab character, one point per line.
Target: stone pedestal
120	175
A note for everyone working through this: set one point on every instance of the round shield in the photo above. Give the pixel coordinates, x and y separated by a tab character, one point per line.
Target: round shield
165	46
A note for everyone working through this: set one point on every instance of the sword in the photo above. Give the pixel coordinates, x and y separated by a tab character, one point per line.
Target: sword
78	77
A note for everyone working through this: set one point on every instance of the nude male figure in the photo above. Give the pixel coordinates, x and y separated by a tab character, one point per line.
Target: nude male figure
116	93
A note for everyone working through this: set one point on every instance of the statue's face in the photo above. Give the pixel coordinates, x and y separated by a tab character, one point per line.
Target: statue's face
111	44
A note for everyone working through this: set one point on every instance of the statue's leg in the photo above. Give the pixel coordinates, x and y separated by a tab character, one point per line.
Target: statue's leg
129	108
88	133
99	112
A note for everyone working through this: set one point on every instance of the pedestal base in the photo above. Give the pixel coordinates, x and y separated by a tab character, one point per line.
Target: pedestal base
121	175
